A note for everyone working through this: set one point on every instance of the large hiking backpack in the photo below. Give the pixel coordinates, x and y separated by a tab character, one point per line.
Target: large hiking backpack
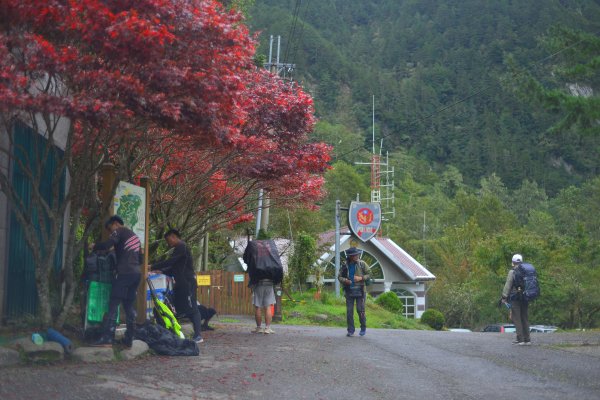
262	259
526	282
99	267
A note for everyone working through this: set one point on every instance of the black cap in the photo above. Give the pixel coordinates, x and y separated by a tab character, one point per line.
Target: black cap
114	218
172	231
353	251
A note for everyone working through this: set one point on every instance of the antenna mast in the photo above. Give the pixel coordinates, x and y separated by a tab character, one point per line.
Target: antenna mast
387	201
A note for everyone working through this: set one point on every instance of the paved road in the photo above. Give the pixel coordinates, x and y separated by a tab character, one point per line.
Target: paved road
321	363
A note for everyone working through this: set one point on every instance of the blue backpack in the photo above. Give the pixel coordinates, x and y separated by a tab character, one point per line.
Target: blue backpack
526	282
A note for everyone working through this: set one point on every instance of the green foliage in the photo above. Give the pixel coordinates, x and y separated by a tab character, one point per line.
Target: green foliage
390	301
438	73
344	140
302	311
327	298
286	222
263	235
300	265
484	178
219	251
238	5
343	183
433	318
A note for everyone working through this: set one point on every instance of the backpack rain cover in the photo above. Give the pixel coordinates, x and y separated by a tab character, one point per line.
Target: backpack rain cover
262	259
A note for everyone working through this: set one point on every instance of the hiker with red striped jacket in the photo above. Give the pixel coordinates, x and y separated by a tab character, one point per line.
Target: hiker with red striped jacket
127	247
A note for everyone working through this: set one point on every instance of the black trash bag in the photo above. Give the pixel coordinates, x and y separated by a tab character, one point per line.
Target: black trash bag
165	342
262	259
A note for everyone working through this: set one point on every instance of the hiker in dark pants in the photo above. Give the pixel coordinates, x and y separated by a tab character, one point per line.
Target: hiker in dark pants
519	308
125	284
353	275
180	265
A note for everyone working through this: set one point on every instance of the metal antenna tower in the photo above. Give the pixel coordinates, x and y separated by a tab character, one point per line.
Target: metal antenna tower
382	179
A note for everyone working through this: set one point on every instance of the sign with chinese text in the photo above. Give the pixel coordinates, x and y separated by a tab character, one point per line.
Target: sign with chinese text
203	280
364	219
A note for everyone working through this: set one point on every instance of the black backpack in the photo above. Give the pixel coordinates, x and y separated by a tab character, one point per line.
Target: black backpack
526	282
262	259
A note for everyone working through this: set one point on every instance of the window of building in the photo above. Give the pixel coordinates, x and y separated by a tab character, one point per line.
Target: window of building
409	301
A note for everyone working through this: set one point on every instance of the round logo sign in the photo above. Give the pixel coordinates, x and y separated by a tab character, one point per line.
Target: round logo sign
365	216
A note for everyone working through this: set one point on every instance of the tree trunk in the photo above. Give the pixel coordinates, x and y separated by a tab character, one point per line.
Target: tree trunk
43	291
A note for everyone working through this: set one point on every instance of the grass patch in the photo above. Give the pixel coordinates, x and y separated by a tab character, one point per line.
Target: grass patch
229	320
305	310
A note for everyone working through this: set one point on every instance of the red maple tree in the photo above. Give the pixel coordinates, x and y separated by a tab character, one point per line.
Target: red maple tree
204	189
154	86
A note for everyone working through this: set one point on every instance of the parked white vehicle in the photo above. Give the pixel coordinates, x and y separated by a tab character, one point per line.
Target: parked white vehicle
542	328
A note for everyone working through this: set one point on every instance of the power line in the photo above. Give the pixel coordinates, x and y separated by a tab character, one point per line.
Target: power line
299	41
292	31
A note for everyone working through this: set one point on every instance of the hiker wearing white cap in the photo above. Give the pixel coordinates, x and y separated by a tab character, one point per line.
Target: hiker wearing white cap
519	307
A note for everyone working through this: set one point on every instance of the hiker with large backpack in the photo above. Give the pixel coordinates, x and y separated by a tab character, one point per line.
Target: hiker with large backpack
520	289
265	271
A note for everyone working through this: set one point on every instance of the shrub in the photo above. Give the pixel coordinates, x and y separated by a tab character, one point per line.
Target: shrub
390	301
326	298
433	318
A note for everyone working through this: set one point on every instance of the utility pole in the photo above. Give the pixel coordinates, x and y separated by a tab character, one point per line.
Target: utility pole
338	210
337	247
276	67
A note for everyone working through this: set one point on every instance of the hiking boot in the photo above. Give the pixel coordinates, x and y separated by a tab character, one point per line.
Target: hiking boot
127	342
198	339
258	329
268	331
362	332
129	335
108	329
104	341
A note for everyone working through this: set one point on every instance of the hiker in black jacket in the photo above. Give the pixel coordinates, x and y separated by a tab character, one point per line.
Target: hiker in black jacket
127	248
180	265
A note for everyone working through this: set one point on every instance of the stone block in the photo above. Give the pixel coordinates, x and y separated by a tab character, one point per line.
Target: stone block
93	354
46	352
138	348
321	317
9	357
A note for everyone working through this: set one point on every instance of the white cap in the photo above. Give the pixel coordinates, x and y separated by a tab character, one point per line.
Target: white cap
517	258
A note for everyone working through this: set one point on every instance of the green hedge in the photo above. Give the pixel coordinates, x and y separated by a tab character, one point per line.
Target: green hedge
433	318
390	301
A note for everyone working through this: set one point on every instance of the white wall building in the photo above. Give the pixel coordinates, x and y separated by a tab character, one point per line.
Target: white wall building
392	268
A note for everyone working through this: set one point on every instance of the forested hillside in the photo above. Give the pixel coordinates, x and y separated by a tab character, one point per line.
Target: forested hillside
493	153
438	73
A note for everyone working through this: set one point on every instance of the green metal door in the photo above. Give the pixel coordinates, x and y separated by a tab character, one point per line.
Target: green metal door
21	287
